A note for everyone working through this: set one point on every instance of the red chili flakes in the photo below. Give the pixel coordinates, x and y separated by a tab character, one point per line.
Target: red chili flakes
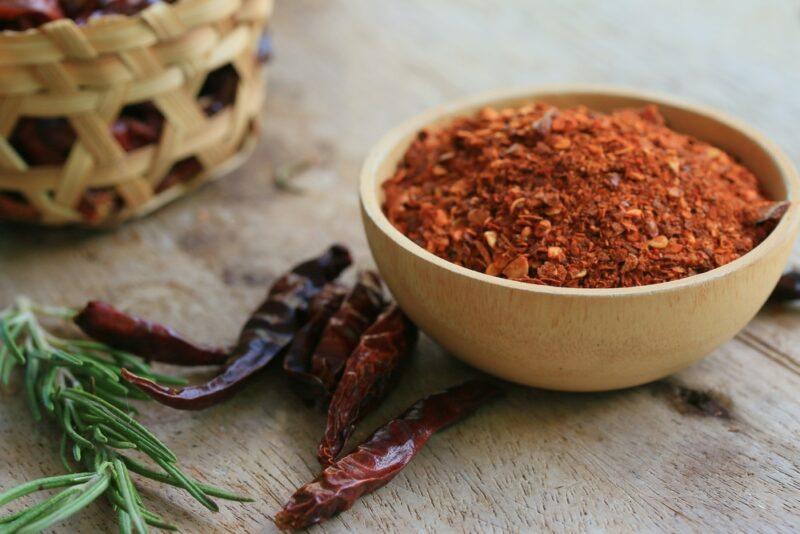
576	198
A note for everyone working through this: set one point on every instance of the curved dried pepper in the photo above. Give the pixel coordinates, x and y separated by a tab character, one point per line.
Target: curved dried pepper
268	332
379	459
343	331
150	340
297	362
788	288
367	376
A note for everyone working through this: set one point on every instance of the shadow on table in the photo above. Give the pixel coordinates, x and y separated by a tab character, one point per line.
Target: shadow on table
16	237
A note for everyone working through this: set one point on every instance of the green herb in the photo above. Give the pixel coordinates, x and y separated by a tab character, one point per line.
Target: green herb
76	384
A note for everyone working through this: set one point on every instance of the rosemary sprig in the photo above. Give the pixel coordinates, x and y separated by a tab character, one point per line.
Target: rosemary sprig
75	383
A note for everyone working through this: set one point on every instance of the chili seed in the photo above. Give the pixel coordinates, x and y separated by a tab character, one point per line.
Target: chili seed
659	242
517	268
491	238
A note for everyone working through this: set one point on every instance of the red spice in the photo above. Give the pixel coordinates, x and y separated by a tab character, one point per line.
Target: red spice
576	198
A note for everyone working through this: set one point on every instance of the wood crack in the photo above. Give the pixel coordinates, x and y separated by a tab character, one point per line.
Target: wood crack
765	348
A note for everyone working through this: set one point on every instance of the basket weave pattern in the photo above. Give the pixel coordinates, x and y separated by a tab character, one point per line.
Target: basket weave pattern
87	74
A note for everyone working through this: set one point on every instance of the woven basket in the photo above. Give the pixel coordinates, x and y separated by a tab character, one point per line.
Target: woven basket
88	74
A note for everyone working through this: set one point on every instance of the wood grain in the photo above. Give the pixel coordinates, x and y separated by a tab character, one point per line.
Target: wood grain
345	71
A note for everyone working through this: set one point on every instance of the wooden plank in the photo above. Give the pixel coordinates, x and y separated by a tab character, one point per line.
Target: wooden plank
345	72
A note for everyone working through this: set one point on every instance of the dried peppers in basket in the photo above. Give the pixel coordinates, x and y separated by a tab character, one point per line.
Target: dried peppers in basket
48	141
25	14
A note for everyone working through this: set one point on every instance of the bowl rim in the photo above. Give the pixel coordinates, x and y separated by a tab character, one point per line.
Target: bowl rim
369	183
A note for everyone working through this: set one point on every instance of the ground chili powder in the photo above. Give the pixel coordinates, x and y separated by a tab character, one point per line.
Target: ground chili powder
576	198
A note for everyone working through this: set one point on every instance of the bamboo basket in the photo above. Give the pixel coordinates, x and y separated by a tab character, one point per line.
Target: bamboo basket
87	74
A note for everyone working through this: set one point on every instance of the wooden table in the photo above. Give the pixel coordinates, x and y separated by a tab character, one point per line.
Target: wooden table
345	71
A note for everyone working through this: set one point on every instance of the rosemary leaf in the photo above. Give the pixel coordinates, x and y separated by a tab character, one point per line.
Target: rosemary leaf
69	359
31	374
62	452
8	341
43	484
211	491
5	372
47	386
149	517
22	518
105	410
128	492
124	522
66	423
189	485
76	384
91	491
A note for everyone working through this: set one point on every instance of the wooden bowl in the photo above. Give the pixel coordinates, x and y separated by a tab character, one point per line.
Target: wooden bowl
582	339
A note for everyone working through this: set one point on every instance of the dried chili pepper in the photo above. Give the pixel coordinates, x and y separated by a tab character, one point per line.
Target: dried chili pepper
380	458
788	288
576	198
297	362
368	374
153	341
267	333
344	329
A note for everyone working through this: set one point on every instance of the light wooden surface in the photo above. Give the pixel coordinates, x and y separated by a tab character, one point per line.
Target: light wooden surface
346	70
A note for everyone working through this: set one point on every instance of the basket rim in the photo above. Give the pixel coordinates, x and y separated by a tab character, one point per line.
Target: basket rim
107	19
